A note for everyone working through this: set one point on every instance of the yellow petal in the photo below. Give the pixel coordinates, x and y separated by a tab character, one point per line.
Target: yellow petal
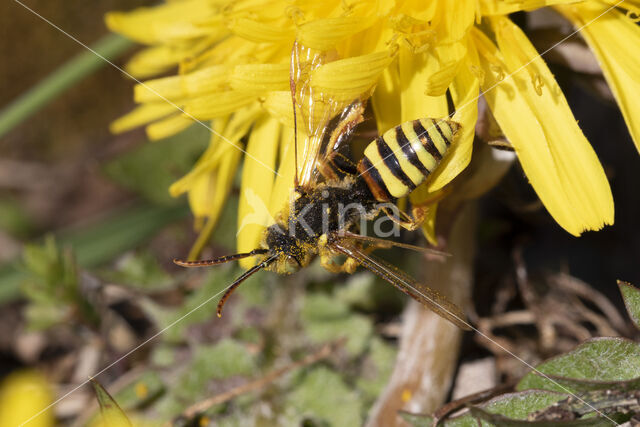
226	138
465	90
386	99
280	107
429	225
258	32
502	7
182	86
217	105
257	185
141	115
615	40
161	23
324	34
443	67
415	103
152	61
347	79
23	394
210	190
286	172
258	78
169	126
555	155
454	22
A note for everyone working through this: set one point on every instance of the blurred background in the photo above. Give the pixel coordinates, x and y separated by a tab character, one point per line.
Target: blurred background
88	231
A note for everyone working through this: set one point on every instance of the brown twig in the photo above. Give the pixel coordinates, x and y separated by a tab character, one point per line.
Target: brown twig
583	290
205	404
546	330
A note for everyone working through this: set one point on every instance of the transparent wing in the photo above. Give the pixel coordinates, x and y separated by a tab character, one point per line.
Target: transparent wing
387	244
324	124
428	297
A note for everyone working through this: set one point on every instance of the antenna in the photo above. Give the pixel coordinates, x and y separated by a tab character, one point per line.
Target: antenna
292	85
239	280
219	260
227	258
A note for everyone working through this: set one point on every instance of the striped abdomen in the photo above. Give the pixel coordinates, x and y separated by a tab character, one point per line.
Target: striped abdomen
395	163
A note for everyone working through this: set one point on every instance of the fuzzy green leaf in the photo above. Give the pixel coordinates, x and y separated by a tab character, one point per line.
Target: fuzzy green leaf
147	387
140	270
631	296
225	359
323	396
325	319
514	407
502	421
376	369
597	364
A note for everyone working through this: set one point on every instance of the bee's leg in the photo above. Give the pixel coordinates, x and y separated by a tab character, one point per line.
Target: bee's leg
408	222
326	261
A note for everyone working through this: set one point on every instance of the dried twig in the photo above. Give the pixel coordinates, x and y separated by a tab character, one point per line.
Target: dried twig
583	290
429	345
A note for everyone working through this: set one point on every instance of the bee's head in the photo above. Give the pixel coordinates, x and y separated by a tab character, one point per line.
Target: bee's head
292	253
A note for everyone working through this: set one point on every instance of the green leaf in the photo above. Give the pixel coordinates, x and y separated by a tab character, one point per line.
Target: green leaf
112	415
514	406
151	168
43	316
122	230
199	307
225	359
325	318
631	297
376	368
502	421
101	240
323	396
519	405
140	270
146	387
14	218
597	364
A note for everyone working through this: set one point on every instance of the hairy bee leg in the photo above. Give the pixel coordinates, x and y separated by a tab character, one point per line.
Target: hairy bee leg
409	223
326	261
348	266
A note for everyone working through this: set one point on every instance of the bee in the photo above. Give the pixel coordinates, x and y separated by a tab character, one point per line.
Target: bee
315	223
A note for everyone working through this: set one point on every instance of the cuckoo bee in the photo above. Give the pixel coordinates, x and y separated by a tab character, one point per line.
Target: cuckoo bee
315	223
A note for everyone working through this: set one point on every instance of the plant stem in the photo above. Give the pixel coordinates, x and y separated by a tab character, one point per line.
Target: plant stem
109	47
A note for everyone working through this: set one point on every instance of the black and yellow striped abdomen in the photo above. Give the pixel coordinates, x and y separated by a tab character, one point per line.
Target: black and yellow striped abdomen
395	163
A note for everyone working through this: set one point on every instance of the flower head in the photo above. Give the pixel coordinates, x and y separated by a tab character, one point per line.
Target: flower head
26	396
233	60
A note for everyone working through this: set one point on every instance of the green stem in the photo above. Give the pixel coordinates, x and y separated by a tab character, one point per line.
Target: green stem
82	65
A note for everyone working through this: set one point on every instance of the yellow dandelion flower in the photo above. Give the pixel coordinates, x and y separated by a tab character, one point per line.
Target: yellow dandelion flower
233	60
25	396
